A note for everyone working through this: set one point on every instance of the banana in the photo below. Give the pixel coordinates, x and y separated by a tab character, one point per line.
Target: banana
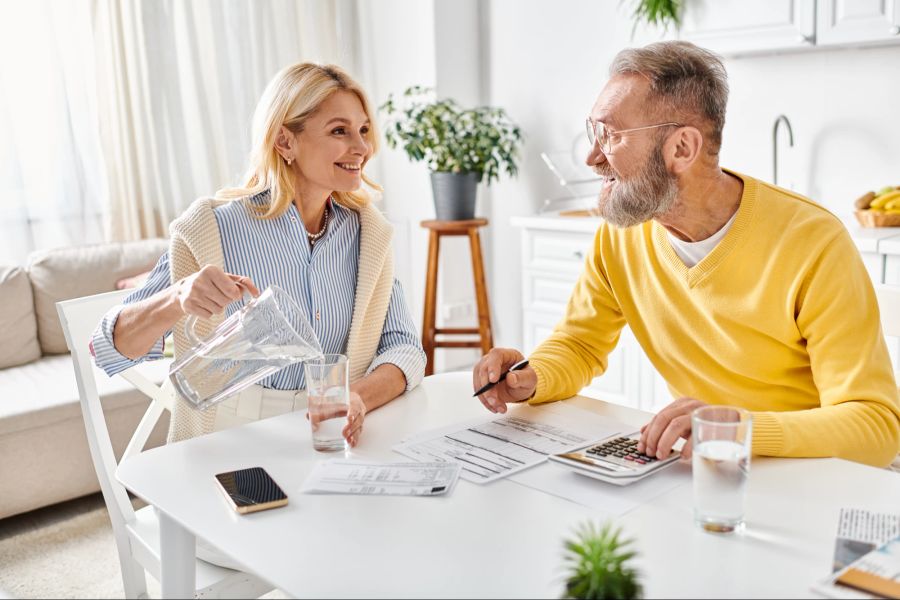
893	204
881	201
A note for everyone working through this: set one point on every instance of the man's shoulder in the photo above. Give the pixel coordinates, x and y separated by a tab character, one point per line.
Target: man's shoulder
790	212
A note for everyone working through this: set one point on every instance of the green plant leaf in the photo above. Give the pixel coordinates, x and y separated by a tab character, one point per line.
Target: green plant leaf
448	138
598	559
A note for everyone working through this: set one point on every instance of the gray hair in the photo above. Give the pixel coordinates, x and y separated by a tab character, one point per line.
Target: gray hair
687	80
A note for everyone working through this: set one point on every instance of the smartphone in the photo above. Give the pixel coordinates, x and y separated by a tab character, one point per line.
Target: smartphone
251	490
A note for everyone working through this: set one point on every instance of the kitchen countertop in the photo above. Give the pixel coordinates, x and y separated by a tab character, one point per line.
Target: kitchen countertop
884	240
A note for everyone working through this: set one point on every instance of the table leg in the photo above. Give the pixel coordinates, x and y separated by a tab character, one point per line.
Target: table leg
178	559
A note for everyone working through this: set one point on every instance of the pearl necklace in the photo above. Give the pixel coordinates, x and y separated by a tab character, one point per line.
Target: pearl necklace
314	237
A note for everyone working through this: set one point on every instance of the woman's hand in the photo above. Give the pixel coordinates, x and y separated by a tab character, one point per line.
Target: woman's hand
208	291
355	417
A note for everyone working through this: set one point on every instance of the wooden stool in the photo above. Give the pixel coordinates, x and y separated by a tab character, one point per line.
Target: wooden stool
429	331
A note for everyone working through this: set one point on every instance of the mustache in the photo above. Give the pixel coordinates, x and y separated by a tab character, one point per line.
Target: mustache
605	171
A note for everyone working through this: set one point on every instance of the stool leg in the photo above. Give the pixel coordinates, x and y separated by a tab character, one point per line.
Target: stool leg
428	319
484	310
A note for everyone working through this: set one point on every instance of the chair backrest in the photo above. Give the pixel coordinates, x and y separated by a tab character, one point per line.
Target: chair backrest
79	318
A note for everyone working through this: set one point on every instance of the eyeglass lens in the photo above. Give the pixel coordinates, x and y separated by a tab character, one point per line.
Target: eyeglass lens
596	130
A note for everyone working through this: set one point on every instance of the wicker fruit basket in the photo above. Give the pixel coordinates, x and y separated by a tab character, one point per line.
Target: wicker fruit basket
873	218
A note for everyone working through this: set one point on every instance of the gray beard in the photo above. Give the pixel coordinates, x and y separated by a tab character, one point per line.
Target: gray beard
642	197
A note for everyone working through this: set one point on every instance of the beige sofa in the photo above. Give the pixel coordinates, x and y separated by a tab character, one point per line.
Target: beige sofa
44	456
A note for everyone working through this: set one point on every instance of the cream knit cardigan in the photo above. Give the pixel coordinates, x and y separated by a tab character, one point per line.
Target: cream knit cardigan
195	243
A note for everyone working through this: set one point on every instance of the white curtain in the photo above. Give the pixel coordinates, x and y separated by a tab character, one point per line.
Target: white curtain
52	183
178	81
116	114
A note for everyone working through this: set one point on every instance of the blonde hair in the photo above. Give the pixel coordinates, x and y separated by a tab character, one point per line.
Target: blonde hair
689	81
294	94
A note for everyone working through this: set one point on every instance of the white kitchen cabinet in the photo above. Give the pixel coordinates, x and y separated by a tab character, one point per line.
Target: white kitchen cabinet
739	27
869	241
851	22
890	248
734	27
553	253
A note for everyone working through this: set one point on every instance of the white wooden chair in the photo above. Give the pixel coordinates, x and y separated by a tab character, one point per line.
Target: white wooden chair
889	307
136	532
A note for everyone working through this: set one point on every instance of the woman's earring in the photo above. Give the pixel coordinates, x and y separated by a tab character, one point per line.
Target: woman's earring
289	161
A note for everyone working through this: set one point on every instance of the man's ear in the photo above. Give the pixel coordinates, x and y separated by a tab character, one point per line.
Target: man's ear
683	148
285	143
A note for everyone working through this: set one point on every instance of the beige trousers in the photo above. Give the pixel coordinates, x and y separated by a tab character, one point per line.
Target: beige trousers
255	403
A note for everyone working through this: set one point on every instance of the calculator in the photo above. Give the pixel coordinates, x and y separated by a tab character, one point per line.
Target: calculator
614	460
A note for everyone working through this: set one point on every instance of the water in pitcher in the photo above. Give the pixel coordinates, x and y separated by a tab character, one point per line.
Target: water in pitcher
720	475
236	364
267	334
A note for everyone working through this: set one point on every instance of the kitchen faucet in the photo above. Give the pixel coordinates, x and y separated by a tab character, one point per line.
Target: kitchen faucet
775	144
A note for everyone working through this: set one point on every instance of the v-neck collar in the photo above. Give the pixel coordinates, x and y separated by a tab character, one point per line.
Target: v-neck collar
692	276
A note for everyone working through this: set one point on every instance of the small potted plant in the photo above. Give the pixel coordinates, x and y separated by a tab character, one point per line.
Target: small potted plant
659	13
462	147
598	565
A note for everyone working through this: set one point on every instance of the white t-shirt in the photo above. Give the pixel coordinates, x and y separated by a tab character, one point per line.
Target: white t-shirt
691	253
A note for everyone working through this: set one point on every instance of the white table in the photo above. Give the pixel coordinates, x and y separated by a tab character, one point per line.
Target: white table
498	540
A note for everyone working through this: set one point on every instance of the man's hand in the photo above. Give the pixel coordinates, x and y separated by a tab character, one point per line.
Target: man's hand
673	422
518	385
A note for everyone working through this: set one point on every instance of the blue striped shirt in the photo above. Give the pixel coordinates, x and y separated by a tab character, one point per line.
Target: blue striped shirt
321	279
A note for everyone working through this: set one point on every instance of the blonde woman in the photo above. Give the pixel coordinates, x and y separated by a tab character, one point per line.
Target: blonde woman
300	221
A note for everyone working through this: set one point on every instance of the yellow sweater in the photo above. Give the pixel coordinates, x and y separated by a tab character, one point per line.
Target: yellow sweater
780	318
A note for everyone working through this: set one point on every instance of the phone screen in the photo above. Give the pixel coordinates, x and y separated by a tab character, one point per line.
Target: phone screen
251	489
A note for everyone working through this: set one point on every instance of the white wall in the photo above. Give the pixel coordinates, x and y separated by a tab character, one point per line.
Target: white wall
436	44
397	50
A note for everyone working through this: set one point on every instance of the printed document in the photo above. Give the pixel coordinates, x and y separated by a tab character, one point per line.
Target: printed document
861	531
339	476
489	450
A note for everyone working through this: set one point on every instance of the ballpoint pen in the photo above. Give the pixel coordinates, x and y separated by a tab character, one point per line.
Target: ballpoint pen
516	367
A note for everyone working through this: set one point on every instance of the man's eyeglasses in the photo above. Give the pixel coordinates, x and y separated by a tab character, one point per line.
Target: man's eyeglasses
597	132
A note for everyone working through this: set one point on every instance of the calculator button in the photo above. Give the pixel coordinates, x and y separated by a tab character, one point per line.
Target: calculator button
628	457
640	462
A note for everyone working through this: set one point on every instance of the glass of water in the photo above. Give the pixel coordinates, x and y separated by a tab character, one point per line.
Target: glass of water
328	397
721	463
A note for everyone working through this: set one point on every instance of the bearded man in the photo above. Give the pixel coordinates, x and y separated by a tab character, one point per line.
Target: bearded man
740	293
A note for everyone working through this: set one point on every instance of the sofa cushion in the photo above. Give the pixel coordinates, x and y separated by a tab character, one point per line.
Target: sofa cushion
45	392
17	320
65	273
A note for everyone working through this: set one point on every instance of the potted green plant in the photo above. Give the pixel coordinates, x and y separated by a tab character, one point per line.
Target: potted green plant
598	561
461	147
658	13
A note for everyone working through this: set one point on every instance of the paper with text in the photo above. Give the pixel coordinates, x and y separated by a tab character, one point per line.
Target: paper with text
861	531
339	476
489	450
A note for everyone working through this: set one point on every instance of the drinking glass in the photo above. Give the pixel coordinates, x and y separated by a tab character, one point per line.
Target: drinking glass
328	397
721	463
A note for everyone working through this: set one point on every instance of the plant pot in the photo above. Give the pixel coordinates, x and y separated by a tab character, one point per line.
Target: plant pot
454	195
